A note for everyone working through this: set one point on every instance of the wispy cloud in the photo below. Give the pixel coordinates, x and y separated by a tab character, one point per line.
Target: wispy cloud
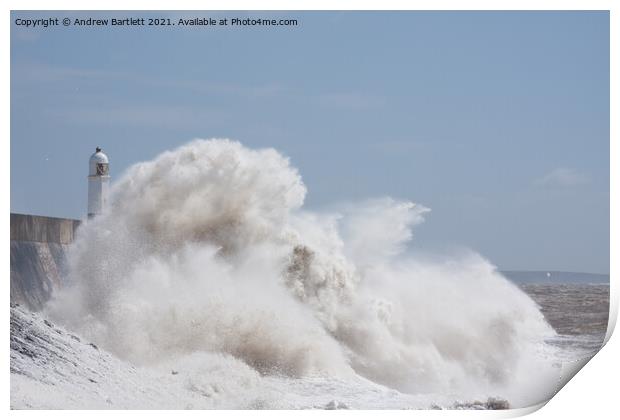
398	147
30	73
25	34
143	115
42	73
351	100
562	177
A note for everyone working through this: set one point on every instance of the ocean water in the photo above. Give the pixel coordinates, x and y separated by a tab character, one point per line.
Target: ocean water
578	313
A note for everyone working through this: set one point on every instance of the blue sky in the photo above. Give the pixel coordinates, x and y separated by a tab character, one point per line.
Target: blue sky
497	121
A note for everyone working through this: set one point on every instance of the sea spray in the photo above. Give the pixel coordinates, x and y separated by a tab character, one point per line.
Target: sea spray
207	249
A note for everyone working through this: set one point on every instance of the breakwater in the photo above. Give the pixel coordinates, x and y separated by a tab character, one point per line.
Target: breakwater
38	257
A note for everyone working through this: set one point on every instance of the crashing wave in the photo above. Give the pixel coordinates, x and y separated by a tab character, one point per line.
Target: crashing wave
207	249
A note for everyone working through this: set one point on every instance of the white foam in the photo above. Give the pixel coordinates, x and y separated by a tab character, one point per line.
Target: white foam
207	249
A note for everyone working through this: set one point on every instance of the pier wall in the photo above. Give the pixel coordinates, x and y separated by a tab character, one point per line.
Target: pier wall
39	247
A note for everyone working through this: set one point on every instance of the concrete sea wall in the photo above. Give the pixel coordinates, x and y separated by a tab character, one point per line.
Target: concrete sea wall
38	257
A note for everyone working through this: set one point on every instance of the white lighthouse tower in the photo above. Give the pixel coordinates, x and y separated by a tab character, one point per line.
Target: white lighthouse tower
98	182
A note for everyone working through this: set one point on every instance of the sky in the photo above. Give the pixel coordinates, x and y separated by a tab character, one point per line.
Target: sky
496	121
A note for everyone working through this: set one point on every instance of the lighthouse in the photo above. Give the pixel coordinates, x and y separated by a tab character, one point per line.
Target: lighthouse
98	182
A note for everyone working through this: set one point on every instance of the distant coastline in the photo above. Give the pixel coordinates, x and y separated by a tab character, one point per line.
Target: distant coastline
554	277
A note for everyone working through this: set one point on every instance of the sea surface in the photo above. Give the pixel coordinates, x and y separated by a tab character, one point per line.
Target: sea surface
579	313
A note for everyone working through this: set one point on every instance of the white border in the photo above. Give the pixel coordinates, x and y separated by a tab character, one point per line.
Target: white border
592	393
